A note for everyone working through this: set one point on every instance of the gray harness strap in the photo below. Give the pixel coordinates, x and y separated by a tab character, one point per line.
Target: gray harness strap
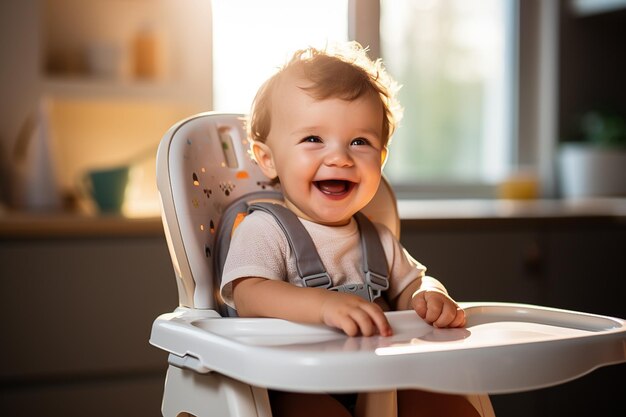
223	237
311	268
375	266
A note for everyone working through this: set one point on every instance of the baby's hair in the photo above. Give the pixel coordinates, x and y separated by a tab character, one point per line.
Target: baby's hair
341	71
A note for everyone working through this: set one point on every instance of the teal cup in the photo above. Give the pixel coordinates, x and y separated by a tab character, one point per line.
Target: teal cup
107	187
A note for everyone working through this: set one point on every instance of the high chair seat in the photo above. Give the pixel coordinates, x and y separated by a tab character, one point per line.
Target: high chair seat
224	365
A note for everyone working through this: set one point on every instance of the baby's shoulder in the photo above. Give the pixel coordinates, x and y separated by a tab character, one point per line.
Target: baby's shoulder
259	223
383	231
386	236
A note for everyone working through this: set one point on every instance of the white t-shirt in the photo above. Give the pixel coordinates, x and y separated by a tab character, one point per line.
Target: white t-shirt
259	248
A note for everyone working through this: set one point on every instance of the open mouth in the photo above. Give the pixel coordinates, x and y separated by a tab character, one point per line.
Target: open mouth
334	188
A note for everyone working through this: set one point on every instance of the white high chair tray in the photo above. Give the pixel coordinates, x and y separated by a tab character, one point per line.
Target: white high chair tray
504	348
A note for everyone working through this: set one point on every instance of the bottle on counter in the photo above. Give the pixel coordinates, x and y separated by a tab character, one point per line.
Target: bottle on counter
147	52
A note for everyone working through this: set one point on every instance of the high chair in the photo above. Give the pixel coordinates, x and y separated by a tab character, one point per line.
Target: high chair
223	366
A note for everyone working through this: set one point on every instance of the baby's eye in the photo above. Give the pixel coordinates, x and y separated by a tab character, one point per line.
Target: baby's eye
360	141
312	139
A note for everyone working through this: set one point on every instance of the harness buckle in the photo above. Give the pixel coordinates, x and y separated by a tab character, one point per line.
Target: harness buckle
373	287
362	290
376	284
376	281
317	280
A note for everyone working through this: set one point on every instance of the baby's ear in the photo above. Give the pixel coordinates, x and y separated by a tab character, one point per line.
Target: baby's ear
263	156
383	157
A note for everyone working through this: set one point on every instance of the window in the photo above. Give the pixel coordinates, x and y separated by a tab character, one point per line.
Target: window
251	38
455	59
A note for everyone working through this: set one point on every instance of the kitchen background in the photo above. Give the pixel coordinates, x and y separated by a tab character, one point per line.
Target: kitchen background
114	76
80	290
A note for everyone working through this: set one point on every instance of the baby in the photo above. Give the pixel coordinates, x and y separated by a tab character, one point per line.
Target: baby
321	126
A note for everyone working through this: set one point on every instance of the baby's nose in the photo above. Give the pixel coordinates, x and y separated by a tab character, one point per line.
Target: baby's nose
338	156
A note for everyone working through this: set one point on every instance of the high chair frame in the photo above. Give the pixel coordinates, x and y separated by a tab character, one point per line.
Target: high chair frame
224	366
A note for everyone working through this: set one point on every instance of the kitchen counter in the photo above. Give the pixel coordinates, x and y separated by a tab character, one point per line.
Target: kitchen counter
482	209
428	213
55	225
460	213
102	279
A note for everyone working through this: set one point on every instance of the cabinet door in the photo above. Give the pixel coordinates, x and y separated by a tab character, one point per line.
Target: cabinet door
82	307
587	272
481	265
587	269
77	315
136	396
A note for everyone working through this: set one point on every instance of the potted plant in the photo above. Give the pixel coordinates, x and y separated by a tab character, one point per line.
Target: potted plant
592	163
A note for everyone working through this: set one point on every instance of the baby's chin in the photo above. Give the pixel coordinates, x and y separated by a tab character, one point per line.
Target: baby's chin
332	217
330	212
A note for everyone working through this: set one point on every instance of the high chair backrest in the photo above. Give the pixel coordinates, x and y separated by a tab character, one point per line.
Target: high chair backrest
203	166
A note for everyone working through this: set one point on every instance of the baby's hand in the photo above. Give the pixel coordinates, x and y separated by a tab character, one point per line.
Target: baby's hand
438	309
354	315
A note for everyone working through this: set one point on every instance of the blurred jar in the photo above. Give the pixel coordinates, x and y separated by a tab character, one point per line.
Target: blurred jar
147	54
522	184
105	60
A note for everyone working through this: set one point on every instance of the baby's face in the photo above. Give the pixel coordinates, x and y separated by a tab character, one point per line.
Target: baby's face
328	153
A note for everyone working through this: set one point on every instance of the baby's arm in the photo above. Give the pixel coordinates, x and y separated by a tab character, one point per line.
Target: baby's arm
430	300
260	297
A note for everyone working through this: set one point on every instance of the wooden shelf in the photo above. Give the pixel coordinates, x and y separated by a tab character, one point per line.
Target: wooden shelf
95	88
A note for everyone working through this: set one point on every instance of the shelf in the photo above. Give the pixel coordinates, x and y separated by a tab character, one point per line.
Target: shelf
94	88
118	39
